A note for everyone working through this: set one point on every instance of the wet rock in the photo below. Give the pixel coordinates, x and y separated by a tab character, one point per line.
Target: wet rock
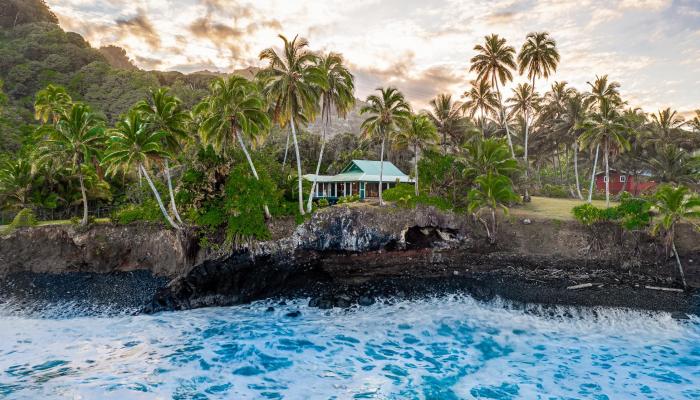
365	301
270	309
293	314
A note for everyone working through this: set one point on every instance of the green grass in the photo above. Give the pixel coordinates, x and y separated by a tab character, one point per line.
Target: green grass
64	222
550	208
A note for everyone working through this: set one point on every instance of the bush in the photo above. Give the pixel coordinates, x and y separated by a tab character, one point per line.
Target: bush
404	196
632	213
349	199
148	211
24	218
555	191
323	203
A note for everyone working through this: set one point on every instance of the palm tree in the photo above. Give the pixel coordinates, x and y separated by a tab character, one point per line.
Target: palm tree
605	128
539	57
16	179
447	117
76	138
667	127
495	62
675	205
338	95
419	133
480	98
673	164
602	92
133	145
51	103
491	193
164	113
291	82
233	109
695	122
388	111
488	156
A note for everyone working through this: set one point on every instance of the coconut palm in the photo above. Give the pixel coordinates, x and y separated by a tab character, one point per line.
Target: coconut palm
51	102
494	62
675	205
695	122
418	134
605	128
667	127
16	179
488	156
76	138
233	109
388	111
492	192
569	124
338	96
164	112
447	117
673	164
602	92
133	145
538	57
480	98
292	82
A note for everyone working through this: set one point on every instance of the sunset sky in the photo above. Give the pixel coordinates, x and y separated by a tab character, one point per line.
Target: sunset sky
652	47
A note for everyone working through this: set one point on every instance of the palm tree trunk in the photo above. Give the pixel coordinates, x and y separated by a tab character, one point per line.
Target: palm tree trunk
318	167
483	128
492	238
595	162
503	117
578	183
299	177
286	150
381	171
415	164
526	197
84	194
607	174
158	199
173	206
255	172
678	259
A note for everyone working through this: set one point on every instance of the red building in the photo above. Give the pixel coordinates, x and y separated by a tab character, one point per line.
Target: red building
620	180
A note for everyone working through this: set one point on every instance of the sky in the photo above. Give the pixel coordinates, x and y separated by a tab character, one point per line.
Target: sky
423	47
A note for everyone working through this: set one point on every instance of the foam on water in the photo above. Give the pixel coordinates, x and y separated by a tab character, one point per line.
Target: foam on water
442	348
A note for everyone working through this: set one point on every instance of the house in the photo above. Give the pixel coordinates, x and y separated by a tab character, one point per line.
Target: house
621	180
359	177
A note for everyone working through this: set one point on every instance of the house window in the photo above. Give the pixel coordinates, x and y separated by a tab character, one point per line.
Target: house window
623	178
605	179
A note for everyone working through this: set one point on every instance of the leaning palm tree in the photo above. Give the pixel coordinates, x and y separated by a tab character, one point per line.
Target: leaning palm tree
675	205
447	118
480	98
233	109
164	113
51	102
388	111
605	128
418	134
133	145
291	82
539	57
495	62
338	95
76	138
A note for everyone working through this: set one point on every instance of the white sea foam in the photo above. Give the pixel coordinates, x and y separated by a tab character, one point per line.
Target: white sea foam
441	348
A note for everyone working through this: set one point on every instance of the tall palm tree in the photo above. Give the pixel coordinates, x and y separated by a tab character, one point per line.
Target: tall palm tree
447	118
573	116
133	145
388	111
76	138
418	134
494	62
602	92
539	57
675	205
481	98
50	103
338	95
233	109
606	128
164	113
292	82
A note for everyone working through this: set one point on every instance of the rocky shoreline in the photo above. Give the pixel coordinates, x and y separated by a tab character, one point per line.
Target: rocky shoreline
345	256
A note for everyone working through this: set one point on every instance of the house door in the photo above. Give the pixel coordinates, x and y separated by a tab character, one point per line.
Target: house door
362	190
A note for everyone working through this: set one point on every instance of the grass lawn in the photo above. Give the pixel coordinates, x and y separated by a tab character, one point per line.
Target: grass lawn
549	208
64	222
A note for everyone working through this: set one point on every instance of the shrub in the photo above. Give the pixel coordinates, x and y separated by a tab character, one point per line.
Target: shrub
349	199
555	191
75	220
24	218
323	203
404	196
148	211
632	213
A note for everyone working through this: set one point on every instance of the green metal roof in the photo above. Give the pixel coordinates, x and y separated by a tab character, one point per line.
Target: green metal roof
373	168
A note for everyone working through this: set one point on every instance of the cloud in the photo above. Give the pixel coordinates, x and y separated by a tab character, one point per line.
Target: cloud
141	27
